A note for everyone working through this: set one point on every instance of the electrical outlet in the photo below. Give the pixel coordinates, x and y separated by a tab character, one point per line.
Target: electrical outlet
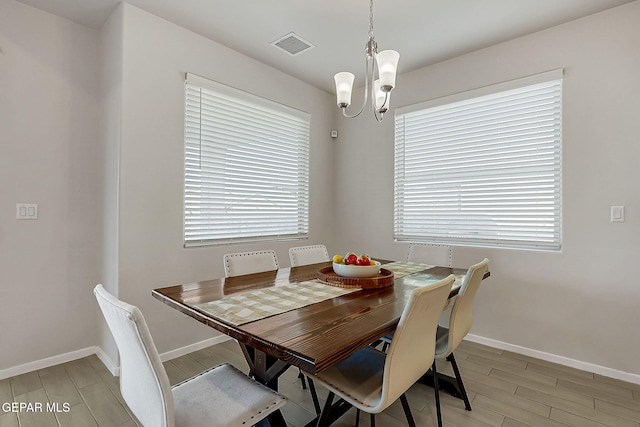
26	211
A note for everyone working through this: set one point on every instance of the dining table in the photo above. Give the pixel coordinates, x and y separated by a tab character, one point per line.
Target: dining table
292	317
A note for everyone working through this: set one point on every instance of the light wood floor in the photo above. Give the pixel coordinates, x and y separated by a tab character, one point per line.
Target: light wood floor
505	389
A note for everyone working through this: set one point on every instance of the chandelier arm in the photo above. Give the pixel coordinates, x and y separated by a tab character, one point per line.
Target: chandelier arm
367	61
379	114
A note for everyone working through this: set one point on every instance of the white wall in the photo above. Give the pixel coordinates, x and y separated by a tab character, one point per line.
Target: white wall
581	303
157	54
110	60
91	130
49	155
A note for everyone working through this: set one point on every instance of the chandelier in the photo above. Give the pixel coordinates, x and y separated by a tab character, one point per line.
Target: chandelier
386	63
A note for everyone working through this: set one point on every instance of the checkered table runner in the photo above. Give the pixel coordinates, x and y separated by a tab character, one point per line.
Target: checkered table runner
404	268
255	305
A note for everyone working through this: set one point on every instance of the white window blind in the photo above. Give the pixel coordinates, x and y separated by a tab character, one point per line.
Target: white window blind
482	168
246	167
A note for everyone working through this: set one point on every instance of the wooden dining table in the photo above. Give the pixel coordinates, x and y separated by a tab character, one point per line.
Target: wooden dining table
310	337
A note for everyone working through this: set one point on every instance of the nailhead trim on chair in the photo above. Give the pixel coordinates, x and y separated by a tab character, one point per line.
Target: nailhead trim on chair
227	257
239	371
348	394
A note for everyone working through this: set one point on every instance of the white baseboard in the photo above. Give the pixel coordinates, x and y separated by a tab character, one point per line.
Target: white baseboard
115	369
112	366
560	360
47	362
193	347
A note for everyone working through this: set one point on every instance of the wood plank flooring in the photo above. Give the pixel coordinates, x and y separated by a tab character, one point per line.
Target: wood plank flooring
506	389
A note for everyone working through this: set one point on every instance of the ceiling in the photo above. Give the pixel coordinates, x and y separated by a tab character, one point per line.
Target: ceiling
423	31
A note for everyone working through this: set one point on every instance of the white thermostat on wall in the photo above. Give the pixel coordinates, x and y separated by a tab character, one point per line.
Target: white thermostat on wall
334	134
617	213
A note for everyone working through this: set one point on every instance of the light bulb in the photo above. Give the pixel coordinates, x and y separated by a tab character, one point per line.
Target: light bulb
387	61
344	85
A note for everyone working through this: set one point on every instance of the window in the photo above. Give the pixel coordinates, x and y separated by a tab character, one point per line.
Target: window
246	175
482	168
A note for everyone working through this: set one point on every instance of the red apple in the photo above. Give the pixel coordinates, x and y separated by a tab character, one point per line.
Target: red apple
363	260
351	259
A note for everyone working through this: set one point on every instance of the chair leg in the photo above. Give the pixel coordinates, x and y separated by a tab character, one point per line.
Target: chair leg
373	420
436	389
314	396
323	420
357	417
456	371
407	410
301	376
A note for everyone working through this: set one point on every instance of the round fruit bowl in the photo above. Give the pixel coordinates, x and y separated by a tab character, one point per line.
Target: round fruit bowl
350	270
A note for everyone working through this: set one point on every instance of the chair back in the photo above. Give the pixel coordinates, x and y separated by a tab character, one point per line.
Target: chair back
303	255
412	349
239	264
431	253
461	316
143	380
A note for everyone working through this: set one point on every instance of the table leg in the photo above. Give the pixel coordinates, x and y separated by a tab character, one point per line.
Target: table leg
262	367
266	370
330	413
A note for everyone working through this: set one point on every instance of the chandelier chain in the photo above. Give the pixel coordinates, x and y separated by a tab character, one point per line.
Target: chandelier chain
371	19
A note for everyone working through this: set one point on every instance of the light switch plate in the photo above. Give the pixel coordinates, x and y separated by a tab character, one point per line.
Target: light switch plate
617	213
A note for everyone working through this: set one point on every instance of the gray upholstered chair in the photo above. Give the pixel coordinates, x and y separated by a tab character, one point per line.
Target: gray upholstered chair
219	397
241	263
370	379
303	255
431	253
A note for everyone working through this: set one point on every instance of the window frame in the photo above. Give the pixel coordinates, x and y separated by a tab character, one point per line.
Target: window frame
225	126
407	229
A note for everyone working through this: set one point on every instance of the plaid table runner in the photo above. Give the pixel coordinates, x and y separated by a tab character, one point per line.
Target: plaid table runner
404	268
255	305
427	279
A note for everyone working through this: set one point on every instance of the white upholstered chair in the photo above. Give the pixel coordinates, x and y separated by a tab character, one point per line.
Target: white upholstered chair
372	380
241	263
460	320
431	253
303	255
426	253
219	397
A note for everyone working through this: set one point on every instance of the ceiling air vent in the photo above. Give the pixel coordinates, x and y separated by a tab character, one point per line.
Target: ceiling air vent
292	44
